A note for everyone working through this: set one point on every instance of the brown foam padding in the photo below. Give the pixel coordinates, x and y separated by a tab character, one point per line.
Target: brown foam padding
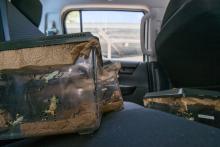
184	102
79	122
86	118
64	54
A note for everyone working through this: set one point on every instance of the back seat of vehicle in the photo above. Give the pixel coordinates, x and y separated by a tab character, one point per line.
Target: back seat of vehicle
136	126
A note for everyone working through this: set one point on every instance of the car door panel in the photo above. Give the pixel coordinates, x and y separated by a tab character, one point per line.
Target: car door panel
133	80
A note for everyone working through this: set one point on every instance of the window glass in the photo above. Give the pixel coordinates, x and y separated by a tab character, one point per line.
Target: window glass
72	22
118	31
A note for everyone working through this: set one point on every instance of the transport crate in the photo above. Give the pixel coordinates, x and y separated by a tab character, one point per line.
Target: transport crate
194	104
54	85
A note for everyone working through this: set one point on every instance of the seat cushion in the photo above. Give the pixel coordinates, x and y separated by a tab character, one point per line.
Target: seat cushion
188	46
137	126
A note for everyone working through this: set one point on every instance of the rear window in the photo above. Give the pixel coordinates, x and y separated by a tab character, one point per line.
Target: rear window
118	31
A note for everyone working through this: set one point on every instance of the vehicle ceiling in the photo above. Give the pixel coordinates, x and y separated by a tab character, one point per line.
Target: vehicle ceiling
57	4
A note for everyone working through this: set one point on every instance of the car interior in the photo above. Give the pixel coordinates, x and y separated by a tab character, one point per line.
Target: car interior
161	45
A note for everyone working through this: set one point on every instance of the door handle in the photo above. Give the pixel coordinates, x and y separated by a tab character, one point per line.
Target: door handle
127	89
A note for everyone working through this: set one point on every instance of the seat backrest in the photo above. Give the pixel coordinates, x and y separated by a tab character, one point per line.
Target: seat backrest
32	9
1	30
16	25
172	7
188	46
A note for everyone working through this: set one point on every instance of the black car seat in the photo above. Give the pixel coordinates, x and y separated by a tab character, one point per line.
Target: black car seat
136	126
14	24
188	46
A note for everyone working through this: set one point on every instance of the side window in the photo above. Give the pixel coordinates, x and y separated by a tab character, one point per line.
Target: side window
118	31
72	22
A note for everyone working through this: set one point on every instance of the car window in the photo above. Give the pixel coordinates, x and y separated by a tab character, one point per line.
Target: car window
72	22
118	31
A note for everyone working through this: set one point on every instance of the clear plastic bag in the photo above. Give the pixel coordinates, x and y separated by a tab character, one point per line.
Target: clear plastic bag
49	100
53	90
109	87
55	85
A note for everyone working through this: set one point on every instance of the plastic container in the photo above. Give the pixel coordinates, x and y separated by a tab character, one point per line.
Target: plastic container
111	97
55	97
194	104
